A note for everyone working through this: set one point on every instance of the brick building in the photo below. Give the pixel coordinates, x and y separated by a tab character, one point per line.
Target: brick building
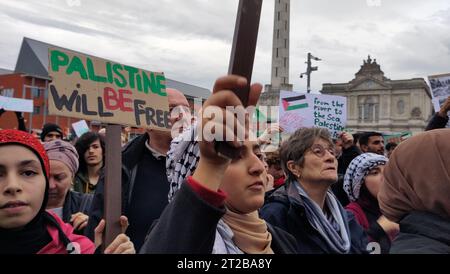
30	80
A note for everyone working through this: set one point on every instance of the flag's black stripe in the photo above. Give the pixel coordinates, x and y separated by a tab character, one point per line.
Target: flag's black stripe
290	99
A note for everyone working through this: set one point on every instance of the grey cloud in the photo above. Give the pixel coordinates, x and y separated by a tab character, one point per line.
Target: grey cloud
408	37
202	18
36	19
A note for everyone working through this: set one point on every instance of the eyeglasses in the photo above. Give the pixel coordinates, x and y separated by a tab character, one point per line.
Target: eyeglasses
176	111
319	150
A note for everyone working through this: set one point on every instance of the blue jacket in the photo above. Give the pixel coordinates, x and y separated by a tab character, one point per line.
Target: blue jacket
285	209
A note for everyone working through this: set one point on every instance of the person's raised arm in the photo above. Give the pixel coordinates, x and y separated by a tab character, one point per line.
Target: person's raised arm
20	121
188	224
440	119
212	166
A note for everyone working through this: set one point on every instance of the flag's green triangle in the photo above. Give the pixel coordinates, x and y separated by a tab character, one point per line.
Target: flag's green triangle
260	116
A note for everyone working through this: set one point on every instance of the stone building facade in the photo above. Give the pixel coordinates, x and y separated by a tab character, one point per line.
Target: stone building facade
377	103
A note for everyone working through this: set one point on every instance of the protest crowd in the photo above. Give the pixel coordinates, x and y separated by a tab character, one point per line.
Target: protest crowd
214	180
313	194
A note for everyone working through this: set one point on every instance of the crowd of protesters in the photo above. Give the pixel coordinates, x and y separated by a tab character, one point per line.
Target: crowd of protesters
309	194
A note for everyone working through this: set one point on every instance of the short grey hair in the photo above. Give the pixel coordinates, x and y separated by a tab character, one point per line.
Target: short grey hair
295	147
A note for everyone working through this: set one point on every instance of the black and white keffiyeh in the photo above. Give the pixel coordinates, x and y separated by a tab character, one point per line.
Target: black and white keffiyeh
357	170
182	159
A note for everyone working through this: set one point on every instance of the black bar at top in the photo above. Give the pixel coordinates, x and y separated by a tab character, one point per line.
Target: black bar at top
295	98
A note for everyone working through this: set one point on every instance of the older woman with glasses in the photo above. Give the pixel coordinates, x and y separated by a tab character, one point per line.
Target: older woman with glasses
305	207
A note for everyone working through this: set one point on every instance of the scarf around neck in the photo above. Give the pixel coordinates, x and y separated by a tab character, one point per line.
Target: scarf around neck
28	240
251	234
334	227
358	169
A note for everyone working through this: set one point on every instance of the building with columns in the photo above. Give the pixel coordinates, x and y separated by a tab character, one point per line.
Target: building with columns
377	103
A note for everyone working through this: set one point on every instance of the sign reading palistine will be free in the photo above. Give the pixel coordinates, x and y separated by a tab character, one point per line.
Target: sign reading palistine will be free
91	88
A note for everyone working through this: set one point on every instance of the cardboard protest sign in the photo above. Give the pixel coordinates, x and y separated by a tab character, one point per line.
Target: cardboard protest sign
440	91
80	127
16	104
297	110
440	86
438	103
396	137
91	88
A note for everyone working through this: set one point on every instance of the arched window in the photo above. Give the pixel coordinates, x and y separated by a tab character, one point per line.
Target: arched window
401	106
369	110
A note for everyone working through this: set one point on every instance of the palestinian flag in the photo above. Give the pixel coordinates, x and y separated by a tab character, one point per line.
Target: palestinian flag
261	119
296	102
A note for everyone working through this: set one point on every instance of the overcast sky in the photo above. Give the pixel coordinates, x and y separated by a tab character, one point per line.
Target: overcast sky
190	40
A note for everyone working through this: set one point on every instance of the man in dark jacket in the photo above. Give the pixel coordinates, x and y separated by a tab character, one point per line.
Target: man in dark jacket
346	151
144	180
51	132
372	142
440	119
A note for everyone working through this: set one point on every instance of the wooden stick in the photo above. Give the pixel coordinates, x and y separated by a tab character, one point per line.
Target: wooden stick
113	184
242	57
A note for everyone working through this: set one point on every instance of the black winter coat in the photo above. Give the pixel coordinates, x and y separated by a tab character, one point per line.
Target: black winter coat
285	209
188	226
422	233
135	154
76	202
437	121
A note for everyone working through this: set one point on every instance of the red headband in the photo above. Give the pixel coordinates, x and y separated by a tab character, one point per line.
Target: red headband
12	136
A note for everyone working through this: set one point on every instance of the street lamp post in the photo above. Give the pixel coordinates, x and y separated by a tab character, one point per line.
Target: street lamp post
310	69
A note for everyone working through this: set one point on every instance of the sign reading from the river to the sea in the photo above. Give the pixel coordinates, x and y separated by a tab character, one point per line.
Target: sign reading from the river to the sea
91	88
297	110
